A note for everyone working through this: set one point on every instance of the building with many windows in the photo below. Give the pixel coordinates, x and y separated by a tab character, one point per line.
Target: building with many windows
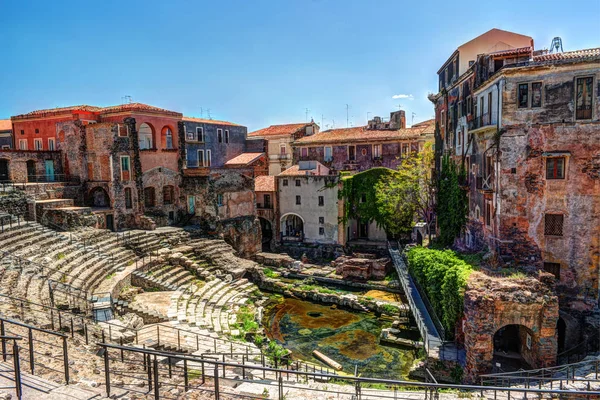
279	139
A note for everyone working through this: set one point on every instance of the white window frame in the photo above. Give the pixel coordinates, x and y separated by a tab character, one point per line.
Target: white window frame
51	144
330	158
376	150
198	163
227	136
126	130
128	166
23	144
219	135
207	160
168	133
199	134
38	144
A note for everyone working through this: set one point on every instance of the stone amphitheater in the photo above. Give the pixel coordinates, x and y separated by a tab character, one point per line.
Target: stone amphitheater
171	302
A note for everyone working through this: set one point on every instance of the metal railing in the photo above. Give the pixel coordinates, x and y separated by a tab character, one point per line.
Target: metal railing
163	375
480	121
52	178
9	351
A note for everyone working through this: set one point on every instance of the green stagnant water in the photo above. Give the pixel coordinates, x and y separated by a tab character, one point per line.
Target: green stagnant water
347	337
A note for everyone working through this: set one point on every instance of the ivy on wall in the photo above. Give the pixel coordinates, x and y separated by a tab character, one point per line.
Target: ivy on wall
452	202
366	199
443	276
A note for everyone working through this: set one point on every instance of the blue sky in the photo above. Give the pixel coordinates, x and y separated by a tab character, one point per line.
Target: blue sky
257	62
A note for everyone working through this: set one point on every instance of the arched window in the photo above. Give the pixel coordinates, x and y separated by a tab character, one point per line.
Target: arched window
145	136
167	135
149	197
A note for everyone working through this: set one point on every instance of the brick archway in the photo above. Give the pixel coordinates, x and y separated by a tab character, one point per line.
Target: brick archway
494	303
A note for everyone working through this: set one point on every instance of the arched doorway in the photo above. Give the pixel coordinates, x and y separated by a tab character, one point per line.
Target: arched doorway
4	171
31	176
511	343
266	230
99	198
292	228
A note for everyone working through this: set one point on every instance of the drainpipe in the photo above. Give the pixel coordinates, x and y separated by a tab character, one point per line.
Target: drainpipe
499	85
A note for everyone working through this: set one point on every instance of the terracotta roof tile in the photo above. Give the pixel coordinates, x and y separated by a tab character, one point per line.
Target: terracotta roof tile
295	170
264	183
569	55
274	130
512	52
360	134
209	121
244	159
5	125
101	110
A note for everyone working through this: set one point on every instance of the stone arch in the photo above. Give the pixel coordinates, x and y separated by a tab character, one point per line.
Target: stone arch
513	347
292	227
146	136
4	169
168	137
98	197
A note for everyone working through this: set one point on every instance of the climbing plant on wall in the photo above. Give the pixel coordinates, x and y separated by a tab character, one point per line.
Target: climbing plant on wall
443	276
452	202
368	197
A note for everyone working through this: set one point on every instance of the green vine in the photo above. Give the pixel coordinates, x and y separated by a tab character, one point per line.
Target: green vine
452	202
443	276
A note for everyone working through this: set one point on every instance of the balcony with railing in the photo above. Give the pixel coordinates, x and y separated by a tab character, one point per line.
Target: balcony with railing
480	121
280	156
485	184
265	210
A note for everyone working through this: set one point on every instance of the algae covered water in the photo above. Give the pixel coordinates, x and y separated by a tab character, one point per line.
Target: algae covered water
347	337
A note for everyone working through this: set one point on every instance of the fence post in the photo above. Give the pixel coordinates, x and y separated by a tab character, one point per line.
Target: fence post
217	382
66	359
202	366
17	367
3	340
185	375
156	385
149	371
85	331
106	371
280	387
31	359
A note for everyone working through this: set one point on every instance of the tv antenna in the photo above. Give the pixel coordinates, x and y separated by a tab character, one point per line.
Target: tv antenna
126	99
347	115
399	106
306	111
556	45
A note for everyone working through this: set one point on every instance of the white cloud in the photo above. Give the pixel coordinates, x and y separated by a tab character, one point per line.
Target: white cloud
403	96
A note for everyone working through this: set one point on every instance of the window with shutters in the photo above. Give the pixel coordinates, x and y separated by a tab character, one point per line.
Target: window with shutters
553	224
125	168
555	167
128	198
536	94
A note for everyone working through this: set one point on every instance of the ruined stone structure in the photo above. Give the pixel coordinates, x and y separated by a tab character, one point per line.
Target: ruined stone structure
361	267
524	124
267	209
361	148
279	140
529	306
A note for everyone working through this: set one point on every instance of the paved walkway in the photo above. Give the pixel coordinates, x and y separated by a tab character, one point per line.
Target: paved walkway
35	388
434	342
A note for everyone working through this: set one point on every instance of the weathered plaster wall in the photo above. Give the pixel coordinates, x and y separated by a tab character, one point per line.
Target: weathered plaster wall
221	152
17	163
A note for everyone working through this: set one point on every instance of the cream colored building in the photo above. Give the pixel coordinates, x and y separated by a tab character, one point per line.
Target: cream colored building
279	139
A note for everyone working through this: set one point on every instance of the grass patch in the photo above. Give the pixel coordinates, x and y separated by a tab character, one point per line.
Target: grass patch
110	276
269	273
60	256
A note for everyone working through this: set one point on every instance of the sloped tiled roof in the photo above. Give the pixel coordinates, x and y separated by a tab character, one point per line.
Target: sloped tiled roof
319	169
275	130
128	107
513	52
362	134
569	55
264	183
244	159
209	121
5	125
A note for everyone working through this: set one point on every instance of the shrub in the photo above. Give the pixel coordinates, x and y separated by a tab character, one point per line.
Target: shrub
443	276
269	273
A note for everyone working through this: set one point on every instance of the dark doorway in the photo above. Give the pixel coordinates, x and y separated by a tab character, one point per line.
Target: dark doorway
509	343
266	230
4	176
363	230
110	222
561	328
31	171
507	339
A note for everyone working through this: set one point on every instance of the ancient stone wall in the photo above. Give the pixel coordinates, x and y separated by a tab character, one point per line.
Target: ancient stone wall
492	303
17	164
